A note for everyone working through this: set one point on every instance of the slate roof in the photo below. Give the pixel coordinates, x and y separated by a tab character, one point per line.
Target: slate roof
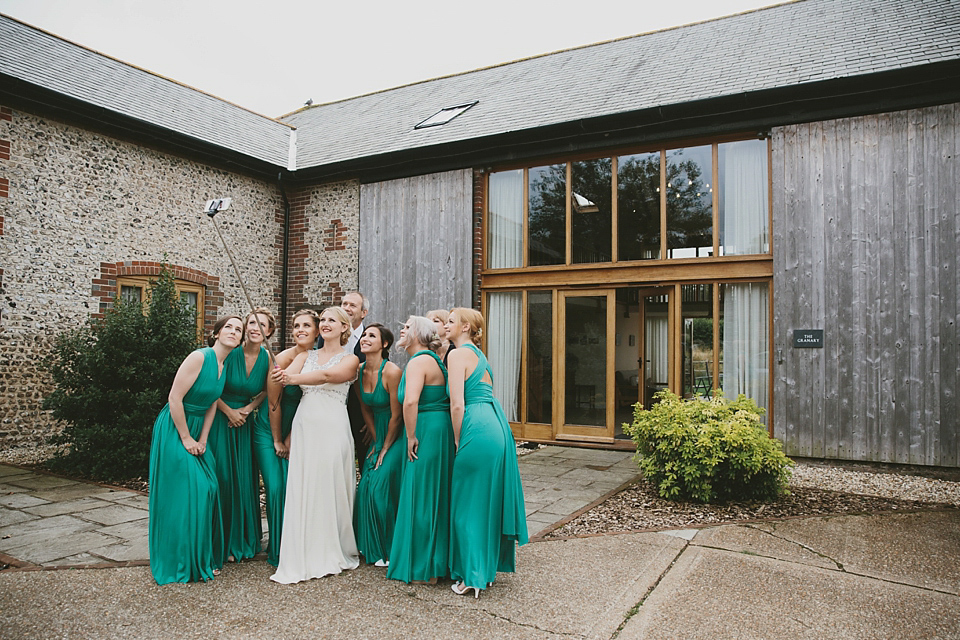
39	58
800	42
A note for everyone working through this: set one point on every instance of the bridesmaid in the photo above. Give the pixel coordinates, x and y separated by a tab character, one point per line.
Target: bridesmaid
487	515
271	440
378	493
421	539
439	319
185	534
231	439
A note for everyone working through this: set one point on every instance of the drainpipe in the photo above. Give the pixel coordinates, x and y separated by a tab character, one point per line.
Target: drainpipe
286	262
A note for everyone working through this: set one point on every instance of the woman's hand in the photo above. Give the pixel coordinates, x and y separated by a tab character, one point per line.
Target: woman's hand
193	447
235	417
282	449
412	445
383	452
279	376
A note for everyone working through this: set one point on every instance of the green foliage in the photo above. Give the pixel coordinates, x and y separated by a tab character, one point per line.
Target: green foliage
708	449
112	377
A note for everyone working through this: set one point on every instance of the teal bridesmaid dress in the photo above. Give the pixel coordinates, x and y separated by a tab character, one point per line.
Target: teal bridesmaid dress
233	452
487	515
273	468
185	537
421	537
378	493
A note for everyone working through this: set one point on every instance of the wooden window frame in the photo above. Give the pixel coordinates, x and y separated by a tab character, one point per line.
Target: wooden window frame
181	286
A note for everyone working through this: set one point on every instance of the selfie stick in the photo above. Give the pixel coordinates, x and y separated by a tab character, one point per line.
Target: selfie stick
213	207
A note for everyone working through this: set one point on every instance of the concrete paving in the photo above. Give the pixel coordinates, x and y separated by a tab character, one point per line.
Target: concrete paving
892	575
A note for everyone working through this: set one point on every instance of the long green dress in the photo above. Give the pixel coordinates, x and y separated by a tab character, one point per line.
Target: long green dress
233	452
421	537
272	467
378	493
487	515
185	536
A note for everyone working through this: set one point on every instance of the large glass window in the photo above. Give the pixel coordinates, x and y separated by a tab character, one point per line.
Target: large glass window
590	207
505	319
638	206
690	202
697	339
540	357
586	363
745	341
743	197
505	219
547	214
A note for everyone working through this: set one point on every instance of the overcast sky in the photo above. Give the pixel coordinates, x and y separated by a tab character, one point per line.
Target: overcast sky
272	56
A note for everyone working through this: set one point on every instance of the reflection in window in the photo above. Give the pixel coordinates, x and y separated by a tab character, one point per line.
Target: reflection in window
547	223
690	202
697	310
540	357
591	187
638	206
743	197
505	316
586	360
130	293
745	340
505	221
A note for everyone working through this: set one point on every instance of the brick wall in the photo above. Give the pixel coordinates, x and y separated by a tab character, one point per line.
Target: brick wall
77	209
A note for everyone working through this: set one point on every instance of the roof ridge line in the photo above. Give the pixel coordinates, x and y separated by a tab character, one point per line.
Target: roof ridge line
144	70
542	55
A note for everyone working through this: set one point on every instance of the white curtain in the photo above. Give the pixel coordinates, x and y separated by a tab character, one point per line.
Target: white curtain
656	348
505	224
504	322
744	197
746	342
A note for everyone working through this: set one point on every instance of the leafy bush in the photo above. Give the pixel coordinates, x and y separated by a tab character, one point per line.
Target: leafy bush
708	449
112	378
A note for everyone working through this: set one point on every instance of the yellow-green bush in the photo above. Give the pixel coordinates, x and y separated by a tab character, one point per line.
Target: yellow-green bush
708	449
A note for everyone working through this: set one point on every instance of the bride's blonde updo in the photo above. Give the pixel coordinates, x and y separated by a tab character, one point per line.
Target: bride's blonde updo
470	317
342	317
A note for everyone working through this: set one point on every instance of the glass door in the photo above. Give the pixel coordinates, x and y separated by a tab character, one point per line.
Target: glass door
586	359
657	329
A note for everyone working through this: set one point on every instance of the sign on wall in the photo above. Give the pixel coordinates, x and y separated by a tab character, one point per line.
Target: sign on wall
808	338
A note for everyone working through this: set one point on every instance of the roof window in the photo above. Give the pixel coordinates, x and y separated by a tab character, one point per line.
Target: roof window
445	115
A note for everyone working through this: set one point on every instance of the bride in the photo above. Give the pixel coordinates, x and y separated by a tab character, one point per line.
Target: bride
317	538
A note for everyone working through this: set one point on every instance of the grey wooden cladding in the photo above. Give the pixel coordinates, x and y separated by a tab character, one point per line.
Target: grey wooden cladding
416	245
866	236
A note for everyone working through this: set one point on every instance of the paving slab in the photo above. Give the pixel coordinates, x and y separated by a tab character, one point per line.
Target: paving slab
922	549
39	482
6	471
66	506
41	530
755	540
14	516
68	544
134	549
711	593
114	514
20	500
79	490
10	488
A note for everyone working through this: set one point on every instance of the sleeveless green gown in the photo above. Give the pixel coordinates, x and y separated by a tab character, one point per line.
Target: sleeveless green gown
378	493
185	536
233	452
421	538
273	468
487	514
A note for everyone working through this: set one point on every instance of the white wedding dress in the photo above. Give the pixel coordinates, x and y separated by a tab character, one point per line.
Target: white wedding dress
318	538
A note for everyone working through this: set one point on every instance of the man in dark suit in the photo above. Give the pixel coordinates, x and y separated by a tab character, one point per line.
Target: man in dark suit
357	306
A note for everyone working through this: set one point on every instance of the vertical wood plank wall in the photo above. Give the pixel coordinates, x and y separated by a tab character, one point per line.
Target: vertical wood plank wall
416	245
866	237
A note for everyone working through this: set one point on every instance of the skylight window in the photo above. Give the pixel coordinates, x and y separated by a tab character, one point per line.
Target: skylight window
445	115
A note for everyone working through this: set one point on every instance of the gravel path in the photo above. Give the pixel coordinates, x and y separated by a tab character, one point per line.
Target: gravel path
815	489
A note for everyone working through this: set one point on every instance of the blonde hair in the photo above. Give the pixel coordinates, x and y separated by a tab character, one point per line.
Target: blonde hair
307	312
421	330
443	314
344	318
473	318
271	321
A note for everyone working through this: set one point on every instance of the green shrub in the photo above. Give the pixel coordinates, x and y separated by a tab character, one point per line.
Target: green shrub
112	377
708	449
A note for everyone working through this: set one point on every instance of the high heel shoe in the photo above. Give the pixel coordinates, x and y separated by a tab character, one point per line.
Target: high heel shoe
461	590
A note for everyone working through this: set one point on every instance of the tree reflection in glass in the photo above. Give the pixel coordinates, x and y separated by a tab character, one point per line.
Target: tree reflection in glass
690	202
591	210
547	215
638	206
